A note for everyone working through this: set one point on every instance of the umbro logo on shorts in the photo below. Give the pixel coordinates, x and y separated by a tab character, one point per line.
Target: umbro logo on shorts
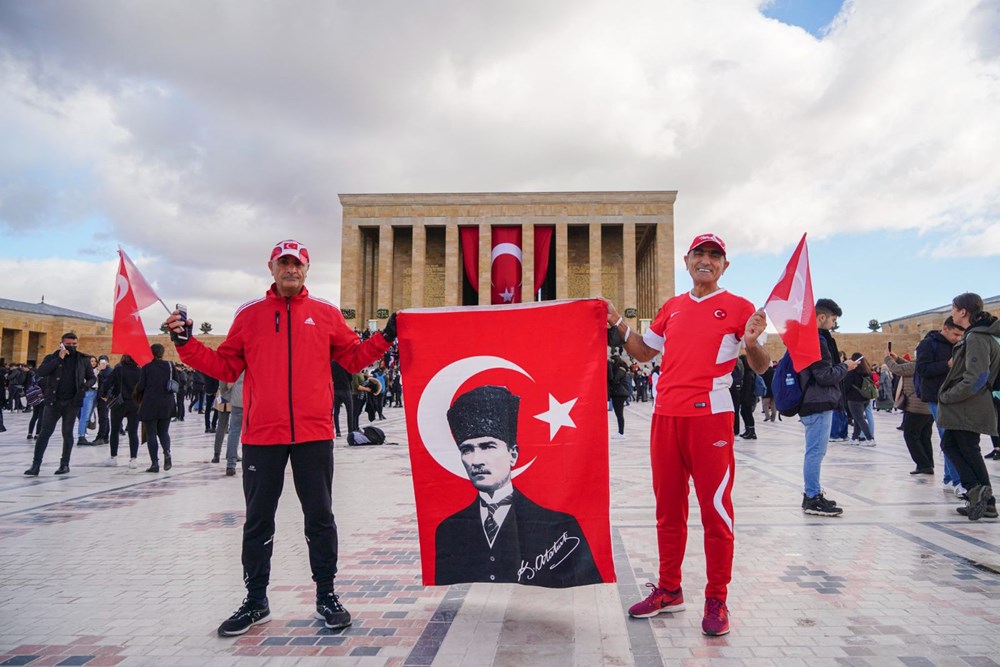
720	443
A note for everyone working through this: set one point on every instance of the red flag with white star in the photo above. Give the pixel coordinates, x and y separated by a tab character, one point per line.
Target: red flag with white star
508	438
792	309
505	257
128	335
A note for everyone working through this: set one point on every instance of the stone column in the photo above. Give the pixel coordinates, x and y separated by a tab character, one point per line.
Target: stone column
452	270
664	252
562	260
350	270
596	265
485	262
631	297
20	347
527	262
417	262
384	297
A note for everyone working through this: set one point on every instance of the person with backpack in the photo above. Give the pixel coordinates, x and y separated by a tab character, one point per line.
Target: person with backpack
966	401
618	392
860	391
821	396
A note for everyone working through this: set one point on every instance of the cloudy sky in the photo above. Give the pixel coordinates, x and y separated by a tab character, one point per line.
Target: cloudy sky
196	134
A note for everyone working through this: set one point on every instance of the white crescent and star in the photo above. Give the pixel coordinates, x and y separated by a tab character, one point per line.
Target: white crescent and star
514	251
432	410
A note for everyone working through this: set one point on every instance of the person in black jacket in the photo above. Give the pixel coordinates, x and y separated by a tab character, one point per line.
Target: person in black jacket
933	362
101	404
69	375
856	401
211	414
156	407
618	391
748	399
502	536
342	396
122	382
821	396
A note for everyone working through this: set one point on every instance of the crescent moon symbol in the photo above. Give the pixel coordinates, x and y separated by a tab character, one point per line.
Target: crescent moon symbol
432	421
121	289
506	249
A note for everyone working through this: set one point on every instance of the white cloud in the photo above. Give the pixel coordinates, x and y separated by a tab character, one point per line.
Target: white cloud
205	132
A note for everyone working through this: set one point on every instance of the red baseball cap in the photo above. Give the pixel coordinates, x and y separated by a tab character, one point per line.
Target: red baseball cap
702	239
292	248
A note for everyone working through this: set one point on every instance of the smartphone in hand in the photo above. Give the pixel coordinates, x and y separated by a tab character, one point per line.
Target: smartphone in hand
186	334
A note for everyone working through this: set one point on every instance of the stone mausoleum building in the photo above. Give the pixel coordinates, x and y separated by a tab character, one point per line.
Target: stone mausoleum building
424	250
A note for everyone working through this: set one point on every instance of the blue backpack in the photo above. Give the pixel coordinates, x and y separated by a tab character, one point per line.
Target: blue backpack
786	388
759	388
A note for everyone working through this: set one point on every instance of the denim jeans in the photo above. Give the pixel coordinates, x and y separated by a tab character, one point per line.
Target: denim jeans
838	429
235	431
950	474
88	405
870	417
817	435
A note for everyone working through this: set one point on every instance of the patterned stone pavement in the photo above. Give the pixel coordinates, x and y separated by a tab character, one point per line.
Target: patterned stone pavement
111	566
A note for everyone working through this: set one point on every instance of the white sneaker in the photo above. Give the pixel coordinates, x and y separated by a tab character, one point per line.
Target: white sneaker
111	462
618	436
960	490
131	464
867	443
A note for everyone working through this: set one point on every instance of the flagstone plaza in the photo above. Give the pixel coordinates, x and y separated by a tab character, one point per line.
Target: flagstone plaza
111	566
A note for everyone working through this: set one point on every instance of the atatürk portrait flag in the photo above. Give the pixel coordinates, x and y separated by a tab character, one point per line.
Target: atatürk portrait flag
506	414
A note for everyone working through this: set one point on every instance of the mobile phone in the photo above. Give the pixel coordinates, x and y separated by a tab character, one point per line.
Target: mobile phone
890	345
182	310
62	347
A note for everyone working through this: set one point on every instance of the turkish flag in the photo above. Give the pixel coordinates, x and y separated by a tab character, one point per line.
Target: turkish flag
132	294
505	259
792	309
491	423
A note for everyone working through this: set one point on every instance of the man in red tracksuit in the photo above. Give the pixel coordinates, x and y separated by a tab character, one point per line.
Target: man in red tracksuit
285	342
699	334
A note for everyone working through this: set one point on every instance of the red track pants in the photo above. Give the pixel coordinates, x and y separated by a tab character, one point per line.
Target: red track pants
701	448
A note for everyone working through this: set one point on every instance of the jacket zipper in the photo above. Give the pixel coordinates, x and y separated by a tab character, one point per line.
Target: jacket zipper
291	411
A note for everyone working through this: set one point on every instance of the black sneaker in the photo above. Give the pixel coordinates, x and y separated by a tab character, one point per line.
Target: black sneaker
805	500
979	496
248	615
820	506
989	513
168	462
329	609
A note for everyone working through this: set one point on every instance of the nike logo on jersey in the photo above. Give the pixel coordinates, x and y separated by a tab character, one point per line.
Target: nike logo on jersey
309	320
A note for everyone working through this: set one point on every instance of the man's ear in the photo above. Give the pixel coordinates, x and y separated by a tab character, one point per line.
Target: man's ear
513	453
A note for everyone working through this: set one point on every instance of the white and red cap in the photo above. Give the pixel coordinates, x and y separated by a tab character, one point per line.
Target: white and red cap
290	248
702	239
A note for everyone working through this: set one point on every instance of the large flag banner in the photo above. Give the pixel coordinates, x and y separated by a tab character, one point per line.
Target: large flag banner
506	415
792	309
132	294
506	259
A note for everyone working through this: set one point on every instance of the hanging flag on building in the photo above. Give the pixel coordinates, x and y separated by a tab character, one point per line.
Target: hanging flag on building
506	260
132	294
791	308
508	439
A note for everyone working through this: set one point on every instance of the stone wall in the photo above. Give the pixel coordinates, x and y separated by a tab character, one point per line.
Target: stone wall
27	337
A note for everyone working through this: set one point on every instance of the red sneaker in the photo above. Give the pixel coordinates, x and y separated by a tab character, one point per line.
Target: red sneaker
716	621
659	601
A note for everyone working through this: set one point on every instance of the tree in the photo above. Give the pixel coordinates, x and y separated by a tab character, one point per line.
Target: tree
164	328
874	325
206	327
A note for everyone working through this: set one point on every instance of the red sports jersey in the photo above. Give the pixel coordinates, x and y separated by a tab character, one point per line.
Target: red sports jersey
700	341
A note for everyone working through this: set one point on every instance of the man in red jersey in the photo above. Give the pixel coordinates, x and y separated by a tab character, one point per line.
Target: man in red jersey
285	342
699	334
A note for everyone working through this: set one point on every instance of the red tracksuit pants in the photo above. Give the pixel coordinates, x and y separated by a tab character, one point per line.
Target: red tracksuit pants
701	448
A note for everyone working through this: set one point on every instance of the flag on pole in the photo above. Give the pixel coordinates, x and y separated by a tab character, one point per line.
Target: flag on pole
510	459
792	309
132	294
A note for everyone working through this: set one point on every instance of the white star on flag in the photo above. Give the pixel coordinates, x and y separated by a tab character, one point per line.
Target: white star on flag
507	295
557	415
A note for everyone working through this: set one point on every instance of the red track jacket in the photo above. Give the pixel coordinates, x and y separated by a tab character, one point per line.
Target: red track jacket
285	345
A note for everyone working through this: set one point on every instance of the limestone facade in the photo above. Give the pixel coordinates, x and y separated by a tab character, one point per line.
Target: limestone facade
404	250
28	332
